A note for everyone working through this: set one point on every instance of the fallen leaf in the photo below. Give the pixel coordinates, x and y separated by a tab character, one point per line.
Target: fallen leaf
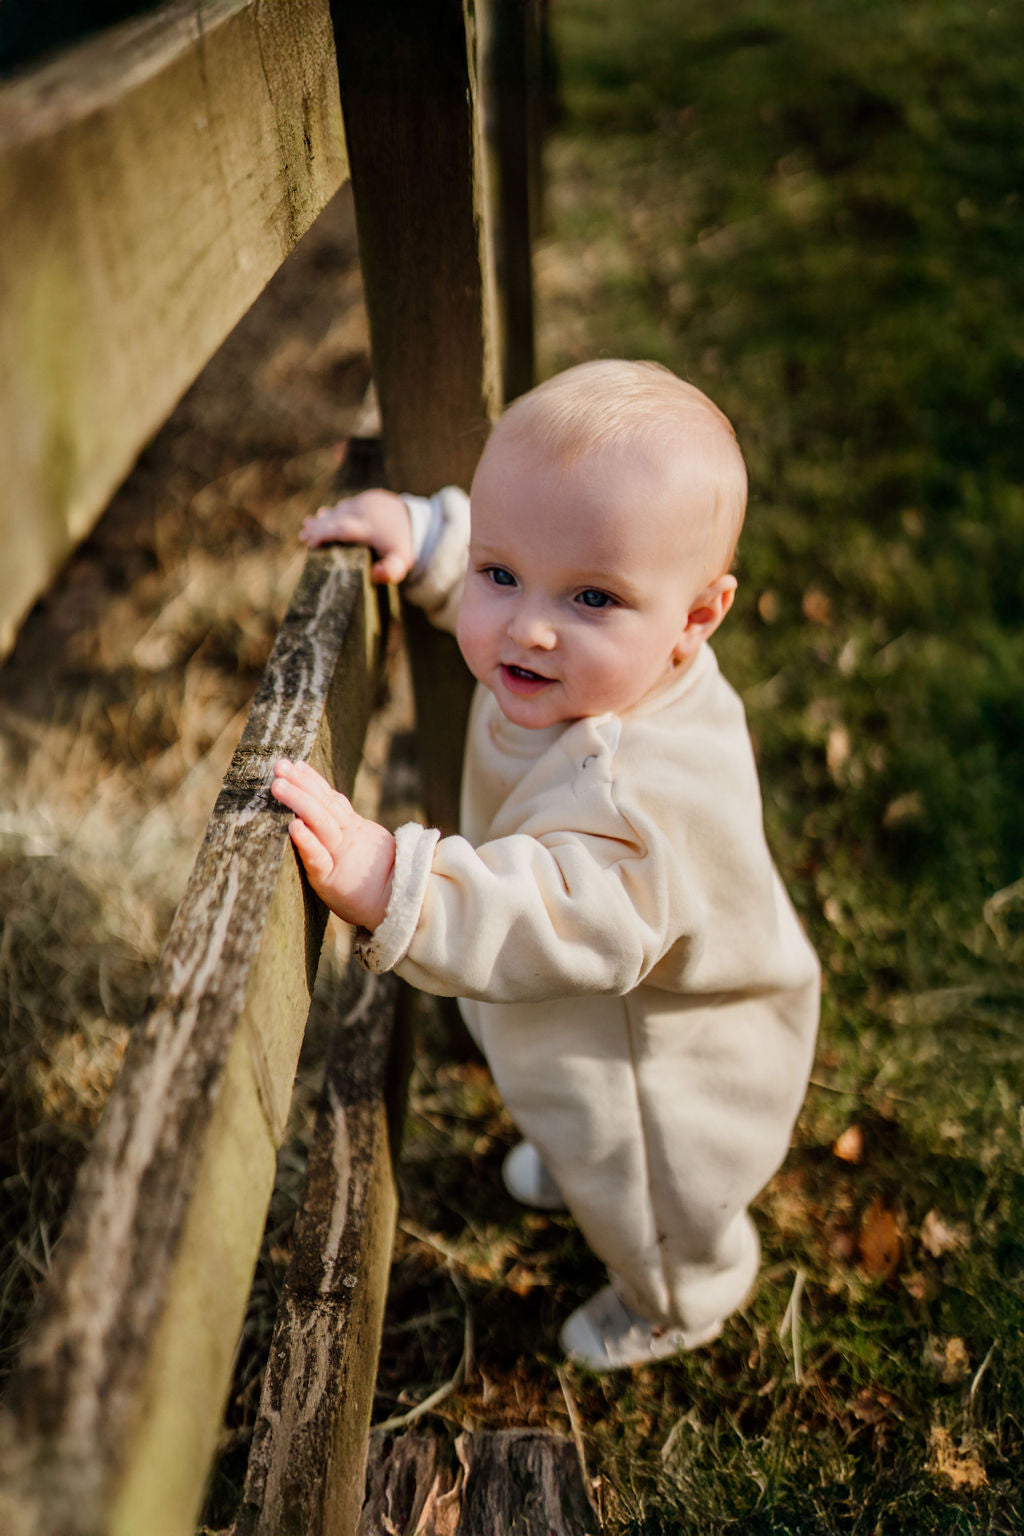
521	1280
837	750
849	1145
768	606
843	1244
881	1242
904	808
817	606
949	1360
939	1236
958	1464
872	1405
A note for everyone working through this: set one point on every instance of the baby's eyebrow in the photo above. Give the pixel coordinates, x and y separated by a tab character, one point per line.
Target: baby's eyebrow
480	549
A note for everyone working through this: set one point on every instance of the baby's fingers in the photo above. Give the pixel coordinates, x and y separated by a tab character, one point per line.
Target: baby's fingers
308	794
318	862
392	567
337	524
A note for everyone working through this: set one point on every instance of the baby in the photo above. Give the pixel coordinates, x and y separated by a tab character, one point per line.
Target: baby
610	918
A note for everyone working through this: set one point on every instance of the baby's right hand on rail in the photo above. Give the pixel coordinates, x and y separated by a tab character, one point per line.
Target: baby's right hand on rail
377	518
349	860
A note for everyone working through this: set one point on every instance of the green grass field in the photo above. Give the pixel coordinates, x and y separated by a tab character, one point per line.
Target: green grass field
813	211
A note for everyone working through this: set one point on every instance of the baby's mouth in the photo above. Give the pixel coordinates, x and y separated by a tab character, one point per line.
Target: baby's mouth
523	680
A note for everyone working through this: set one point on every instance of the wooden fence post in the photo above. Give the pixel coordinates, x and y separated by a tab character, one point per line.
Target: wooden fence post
410	101
511	65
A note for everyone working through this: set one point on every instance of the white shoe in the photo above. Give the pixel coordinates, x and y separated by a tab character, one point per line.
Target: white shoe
605	1335
528	1181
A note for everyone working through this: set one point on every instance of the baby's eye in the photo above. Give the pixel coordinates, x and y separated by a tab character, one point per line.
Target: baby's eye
593	597
500	576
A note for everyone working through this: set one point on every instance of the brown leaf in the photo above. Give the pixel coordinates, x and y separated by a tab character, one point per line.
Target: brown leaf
881	1242
521	1280
904	808
817	606
837	750
768	606
959	1464
917	1285
849	1145
939	1236
872	1405
843	1244
949	1360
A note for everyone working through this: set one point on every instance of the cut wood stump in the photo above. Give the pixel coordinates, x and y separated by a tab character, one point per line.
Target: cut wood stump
509	1482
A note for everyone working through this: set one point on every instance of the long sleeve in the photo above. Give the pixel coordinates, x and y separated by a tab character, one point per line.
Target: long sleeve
543	912
597	857
441	534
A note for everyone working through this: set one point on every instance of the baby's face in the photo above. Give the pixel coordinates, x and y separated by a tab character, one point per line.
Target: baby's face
579	583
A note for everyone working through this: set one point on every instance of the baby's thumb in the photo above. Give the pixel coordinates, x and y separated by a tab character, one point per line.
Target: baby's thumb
390	567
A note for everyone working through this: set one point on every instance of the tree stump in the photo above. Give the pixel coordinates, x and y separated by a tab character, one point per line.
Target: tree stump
510	1482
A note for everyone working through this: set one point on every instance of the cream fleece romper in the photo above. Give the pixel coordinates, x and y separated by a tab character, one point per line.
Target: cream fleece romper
628	961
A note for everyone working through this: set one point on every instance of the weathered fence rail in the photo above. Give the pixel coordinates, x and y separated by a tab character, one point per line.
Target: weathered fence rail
112	1417
151	180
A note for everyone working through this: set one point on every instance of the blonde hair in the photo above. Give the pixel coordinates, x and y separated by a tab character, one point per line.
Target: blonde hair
650	410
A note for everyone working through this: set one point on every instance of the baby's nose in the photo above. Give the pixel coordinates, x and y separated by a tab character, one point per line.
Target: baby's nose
530	627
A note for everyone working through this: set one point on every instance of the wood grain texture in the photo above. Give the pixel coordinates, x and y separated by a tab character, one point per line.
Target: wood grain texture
113	1414
511	69
413	124
516	1482
307	1465
151	182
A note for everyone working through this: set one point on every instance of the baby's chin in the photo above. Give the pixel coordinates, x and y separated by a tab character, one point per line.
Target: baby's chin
529	714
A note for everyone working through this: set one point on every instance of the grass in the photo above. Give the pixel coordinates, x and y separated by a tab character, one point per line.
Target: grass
813	212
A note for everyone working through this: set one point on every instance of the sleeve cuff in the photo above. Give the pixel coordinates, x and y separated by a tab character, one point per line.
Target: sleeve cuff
390	940
442	524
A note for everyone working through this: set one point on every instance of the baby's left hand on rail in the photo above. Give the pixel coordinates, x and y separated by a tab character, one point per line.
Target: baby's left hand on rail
378	518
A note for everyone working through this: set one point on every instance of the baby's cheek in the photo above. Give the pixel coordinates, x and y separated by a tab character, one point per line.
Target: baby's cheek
470	637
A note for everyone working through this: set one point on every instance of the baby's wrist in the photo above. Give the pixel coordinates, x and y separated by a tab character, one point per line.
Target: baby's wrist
383	866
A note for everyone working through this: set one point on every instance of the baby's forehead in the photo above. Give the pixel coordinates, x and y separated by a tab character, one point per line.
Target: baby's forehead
655	444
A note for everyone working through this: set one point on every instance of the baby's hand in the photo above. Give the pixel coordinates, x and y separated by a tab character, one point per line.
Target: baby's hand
377	518
348	859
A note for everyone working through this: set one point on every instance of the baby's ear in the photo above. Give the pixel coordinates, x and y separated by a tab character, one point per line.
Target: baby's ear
707	611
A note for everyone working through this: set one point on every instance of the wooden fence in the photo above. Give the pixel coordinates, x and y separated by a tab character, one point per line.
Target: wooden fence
151	181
